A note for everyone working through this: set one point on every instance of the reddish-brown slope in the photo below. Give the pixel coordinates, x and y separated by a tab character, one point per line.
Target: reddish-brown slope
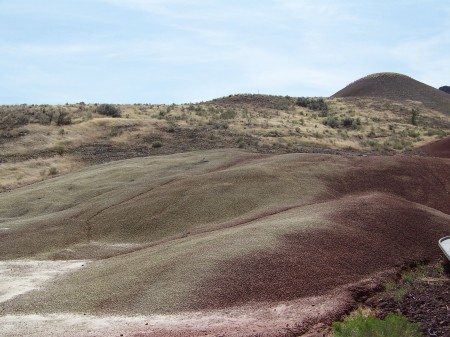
373	214
371	233
379	221
397	87
441	148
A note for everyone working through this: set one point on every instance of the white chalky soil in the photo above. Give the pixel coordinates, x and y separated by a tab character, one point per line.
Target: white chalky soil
20	276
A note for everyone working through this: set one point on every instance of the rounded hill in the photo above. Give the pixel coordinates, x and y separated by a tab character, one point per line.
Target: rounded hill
397	87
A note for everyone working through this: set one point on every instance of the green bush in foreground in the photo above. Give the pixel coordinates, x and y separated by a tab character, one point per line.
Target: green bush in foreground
394	325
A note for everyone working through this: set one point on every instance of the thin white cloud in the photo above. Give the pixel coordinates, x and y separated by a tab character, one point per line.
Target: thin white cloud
319	12
57	49
203	48
427	58
165	8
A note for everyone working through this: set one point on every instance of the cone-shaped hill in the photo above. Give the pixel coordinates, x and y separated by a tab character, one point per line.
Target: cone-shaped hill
397	87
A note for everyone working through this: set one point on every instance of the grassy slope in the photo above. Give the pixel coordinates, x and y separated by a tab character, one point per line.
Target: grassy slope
249	218
261	124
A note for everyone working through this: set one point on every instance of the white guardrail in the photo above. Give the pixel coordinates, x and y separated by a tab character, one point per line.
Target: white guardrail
444	244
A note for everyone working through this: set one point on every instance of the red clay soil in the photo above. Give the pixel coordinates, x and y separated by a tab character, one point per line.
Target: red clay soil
388	214
441	148
424	181
382	213
371	232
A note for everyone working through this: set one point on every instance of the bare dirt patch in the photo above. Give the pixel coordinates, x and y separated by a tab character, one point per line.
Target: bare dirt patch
236	230
20	276
263	319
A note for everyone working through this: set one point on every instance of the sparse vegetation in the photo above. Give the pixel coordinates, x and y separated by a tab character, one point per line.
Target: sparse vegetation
398	289
282	123
190	231
359	325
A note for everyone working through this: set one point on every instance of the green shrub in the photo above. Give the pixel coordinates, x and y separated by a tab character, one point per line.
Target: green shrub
331	122
350	122
313	103
323	113
414	116
347	122
52	171
157	144
63	118
228	114
413	133
115	131
59	149
394	325
221	125
108	110
240	142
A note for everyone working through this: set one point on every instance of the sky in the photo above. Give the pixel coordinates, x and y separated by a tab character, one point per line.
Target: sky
176	51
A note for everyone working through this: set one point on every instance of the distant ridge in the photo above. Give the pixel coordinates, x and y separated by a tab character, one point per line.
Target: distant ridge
397	87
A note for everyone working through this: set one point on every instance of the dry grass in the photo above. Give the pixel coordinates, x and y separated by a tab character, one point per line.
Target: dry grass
34	170
259	123
210	229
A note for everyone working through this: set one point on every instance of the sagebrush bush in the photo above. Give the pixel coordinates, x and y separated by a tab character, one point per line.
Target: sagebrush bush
52	171
228	114
331	122
59	149
157	144
313	103
108	110
62	118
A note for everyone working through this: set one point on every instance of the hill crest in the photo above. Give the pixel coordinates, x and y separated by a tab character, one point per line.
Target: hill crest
398	87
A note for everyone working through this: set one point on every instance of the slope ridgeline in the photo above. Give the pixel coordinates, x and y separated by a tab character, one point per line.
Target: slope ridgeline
397	87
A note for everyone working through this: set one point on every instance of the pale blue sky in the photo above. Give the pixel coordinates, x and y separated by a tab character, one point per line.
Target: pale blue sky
175	51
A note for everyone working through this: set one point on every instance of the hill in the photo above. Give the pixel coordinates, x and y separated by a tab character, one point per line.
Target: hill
245	215
221	235
38	142
397	87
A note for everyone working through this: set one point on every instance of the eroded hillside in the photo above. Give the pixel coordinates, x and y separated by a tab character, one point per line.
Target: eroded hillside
197	233
38	142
